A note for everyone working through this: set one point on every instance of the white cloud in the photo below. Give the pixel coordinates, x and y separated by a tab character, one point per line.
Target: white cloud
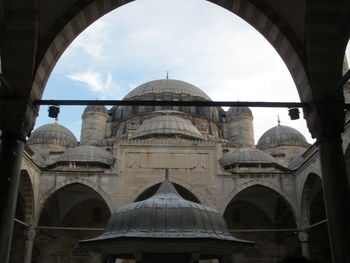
102	86
93	40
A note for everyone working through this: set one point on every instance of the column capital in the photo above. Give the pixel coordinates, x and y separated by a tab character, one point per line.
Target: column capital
30	233
325	120
303	236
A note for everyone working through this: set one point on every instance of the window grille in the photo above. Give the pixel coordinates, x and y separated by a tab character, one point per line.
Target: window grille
80	252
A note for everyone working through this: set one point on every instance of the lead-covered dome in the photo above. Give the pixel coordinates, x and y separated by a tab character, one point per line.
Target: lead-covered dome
281	135
246	156
53	134
87	154
167	125
163	86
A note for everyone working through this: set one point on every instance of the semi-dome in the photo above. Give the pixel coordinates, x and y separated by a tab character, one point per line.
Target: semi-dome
246	156
166	125
96	108
87	154
53	134
167	86
238	111
281	135
168	219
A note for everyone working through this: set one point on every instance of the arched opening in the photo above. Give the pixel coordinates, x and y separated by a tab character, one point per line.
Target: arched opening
314	212
176	62
186	194
72	213
23	216
262	215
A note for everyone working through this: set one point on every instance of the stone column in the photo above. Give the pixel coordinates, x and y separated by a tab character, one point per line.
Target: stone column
337	196
326	123
11	148
305	246
28	246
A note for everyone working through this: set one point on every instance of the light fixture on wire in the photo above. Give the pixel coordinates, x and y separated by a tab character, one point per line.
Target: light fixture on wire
294	113
54	110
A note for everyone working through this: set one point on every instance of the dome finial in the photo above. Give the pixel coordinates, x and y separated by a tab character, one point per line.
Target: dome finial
278	120
167	75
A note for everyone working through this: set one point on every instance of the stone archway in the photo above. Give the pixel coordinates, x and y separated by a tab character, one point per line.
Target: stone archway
24	215
313	216
262	215
262	17
70	181
240	188
73	212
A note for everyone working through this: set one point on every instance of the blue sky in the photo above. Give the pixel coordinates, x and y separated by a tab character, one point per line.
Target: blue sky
194	40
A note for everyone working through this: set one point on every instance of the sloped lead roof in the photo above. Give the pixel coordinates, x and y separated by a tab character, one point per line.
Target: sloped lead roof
87	154
165	216
167	125
246	156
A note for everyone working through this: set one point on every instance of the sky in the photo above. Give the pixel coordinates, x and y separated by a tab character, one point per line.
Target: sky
194	40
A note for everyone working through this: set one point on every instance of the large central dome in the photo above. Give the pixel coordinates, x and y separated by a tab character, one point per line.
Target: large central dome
162	86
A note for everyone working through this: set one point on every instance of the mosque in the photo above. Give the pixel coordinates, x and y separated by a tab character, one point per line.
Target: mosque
269	191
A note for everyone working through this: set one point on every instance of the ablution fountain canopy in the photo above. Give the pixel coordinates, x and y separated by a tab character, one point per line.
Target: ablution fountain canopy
166	227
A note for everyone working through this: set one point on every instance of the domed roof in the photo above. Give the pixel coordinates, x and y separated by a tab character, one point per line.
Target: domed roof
87	154
53	134
245	156
167	86
234	111
281	135
167	125
165	217
96	108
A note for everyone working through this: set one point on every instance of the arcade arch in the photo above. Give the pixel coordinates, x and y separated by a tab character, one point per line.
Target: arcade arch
24	214
74	212
262	215
313	216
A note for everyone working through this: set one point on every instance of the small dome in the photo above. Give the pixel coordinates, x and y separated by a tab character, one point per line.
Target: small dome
236	111
167	86
167	125
96	108
281	135
246	156
296	162
53	134
87	154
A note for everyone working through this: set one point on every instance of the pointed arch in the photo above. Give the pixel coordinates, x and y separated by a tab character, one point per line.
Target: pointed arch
259	15
311	187
27	193
288	198
68	182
